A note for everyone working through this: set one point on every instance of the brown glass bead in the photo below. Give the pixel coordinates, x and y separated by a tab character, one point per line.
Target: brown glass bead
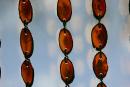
64	10
67	71
26	42
101	84
25	11
27	73
65	41
99	36
99	8
100	65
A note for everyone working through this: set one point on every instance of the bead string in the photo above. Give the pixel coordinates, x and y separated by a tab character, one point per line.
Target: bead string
99	40
26	41
65	41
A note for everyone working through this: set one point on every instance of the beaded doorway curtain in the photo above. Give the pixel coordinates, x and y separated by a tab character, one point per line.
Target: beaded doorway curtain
47	55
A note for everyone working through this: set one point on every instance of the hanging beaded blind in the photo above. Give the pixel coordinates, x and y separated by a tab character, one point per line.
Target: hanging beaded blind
99	39
64	12
26	41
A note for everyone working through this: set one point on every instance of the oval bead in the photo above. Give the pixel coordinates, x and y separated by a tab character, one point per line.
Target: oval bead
99	36
100	65
26	42
101	84
99	8
64	10
65	41
67	71
25	11
27	73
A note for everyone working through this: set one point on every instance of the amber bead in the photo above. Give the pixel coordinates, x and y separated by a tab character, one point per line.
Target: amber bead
65	41
26	42
67	71
100	65
27	73
99	8
101	84
99	36
25	11
64	10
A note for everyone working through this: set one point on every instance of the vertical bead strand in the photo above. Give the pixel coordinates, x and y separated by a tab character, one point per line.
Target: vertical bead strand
26	41
64	12
99	39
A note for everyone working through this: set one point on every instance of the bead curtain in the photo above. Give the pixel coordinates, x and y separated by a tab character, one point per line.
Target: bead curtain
47	55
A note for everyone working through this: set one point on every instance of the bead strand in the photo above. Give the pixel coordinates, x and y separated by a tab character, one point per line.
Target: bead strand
64	12
99	39
26	41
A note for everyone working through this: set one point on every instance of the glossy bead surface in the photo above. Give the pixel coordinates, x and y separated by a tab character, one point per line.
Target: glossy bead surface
99	8
64	10
101	84
65	41
26	42
67	71
25	11
100	65
27	73
99	36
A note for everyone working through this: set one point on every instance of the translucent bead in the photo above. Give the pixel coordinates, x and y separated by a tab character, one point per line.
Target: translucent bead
25	11
26	42
67	71
64	10
99	36
100	65
101	84
99	8
65	41
27	73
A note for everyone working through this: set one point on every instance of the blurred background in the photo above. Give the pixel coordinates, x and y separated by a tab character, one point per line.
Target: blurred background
47	55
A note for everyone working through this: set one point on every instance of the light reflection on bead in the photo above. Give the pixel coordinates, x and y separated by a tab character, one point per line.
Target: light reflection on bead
99	8
67	71
26	42
64	10
100	65
25	11
27	73
99	36
65	41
